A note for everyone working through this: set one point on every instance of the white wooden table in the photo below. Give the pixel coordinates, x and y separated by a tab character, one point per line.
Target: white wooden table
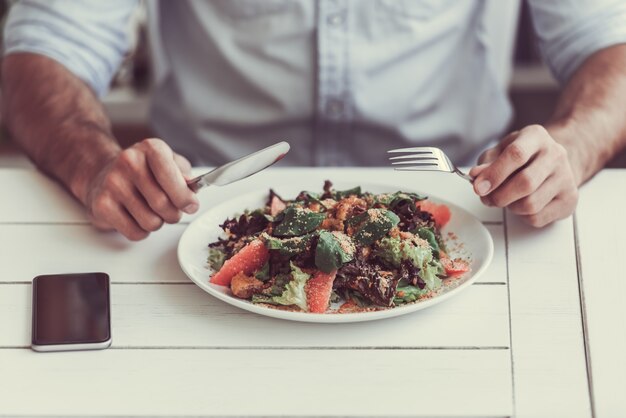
541	334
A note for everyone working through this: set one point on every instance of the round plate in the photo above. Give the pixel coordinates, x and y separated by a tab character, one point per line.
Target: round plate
471	239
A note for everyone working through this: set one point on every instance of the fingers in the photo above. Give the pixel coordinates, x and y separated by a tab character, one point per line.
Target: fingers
530	173
157	199
557	209
107	211
476	170
142	188
521	184
537	201
184	165
147	219
167	173
492	153
514	156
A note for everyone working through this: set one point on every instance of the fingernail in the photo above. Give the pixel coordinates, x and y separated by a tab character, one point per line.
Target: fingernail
483	187
191	208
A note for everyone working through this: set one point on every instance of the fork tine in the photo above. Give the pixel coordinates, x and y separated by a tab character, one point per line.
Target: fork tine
419	162
418	156
418	168
424	159
418	150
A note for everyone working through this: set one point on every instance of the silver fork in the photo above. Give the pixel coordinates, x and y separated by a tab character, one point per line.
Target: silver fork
424	159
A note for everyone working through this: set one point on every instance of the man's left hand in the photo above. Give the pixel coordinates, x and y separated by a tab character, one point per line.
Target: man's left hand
530	174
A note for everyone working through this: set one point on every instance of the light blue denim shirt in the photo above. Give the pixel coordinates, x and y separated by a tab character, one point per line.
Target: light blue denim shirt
342	80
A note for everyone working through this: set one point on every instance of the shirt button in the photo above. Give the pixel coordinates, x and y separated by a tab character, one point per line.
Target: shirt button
335	19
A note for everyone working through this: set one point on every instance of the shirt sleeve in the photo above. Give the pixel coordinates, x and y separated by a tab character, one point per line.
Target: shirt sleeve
90	38
570	31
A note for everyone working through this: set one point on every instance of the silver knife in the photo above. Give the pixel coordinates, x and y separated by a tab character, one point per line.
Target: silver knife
241	168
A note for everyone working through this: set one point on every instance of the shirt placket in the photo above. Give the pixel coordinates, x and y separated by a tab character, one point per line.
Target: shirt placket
333	98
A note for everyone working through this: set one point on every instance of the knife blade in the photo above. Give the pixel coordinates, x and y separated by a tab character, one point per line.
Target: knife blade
241	168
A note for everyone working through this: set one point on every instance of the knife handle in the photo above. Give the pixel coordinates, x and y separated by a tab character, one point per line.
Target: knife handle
196	184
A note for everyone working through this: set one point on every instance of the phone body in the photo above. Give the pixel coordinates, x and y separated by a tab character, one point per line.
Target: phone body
71	312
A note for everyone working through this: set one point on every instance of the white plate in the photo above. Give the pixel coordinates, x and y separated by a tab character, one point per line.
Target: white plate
192	253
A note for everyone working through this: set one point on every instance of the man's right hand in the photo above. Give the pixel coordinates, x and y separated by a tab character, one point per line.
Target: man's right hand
57	120
139	189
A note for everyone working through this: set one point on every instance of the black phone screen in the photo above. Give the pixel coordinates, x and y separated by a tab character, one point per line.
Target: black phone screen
71	309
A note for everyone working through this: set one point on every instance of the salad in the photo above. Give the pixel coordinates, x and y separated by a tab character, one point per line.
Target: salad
352	249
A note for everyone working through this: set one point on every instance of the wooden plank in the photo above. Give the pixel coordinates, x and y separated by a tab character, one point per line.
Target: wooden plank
257	383
47	202
29	196
601	227
549	367
186	316
30	250
496	272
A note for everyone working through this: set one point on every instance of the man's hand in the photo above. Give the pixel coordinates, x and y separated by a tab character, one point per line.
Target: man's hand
139	189
530	174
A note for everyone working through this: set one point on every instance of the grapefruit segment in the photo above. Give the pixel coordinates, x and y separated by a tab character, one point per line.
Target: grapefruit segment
318	290
441	213
248	260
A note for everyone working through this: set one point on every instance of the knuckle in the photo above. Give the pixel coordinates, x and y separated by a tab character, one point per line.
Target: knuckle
184	201
534	220
182	198
160	203
152	223
174	217
113	181
529	206
129	158
516	153
154	145
526	182
102	205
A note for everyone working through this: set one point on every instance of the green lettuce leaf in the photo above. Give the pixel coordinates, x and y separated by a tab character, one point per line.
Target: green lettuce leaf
422	257
419	256
392	251
298	221
373	225
288	246
340	194
280	283
392	200
294	293
429	235
429	273
264	273
333	250
388	250
216	258
407	294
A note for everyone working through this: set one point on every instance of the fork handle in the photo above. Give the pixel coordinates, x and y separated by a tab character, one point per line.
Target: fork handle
465	176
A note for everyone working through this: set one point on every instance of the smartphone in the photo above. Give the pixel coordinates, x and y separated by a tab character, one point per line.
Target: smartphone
71	312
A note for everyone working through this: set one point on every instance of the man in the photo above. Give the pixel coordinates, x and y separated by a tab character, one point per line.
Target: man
342	80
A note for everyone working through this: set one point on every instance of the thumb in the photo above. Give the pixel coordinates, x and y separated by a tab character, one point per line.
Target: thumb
476	170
